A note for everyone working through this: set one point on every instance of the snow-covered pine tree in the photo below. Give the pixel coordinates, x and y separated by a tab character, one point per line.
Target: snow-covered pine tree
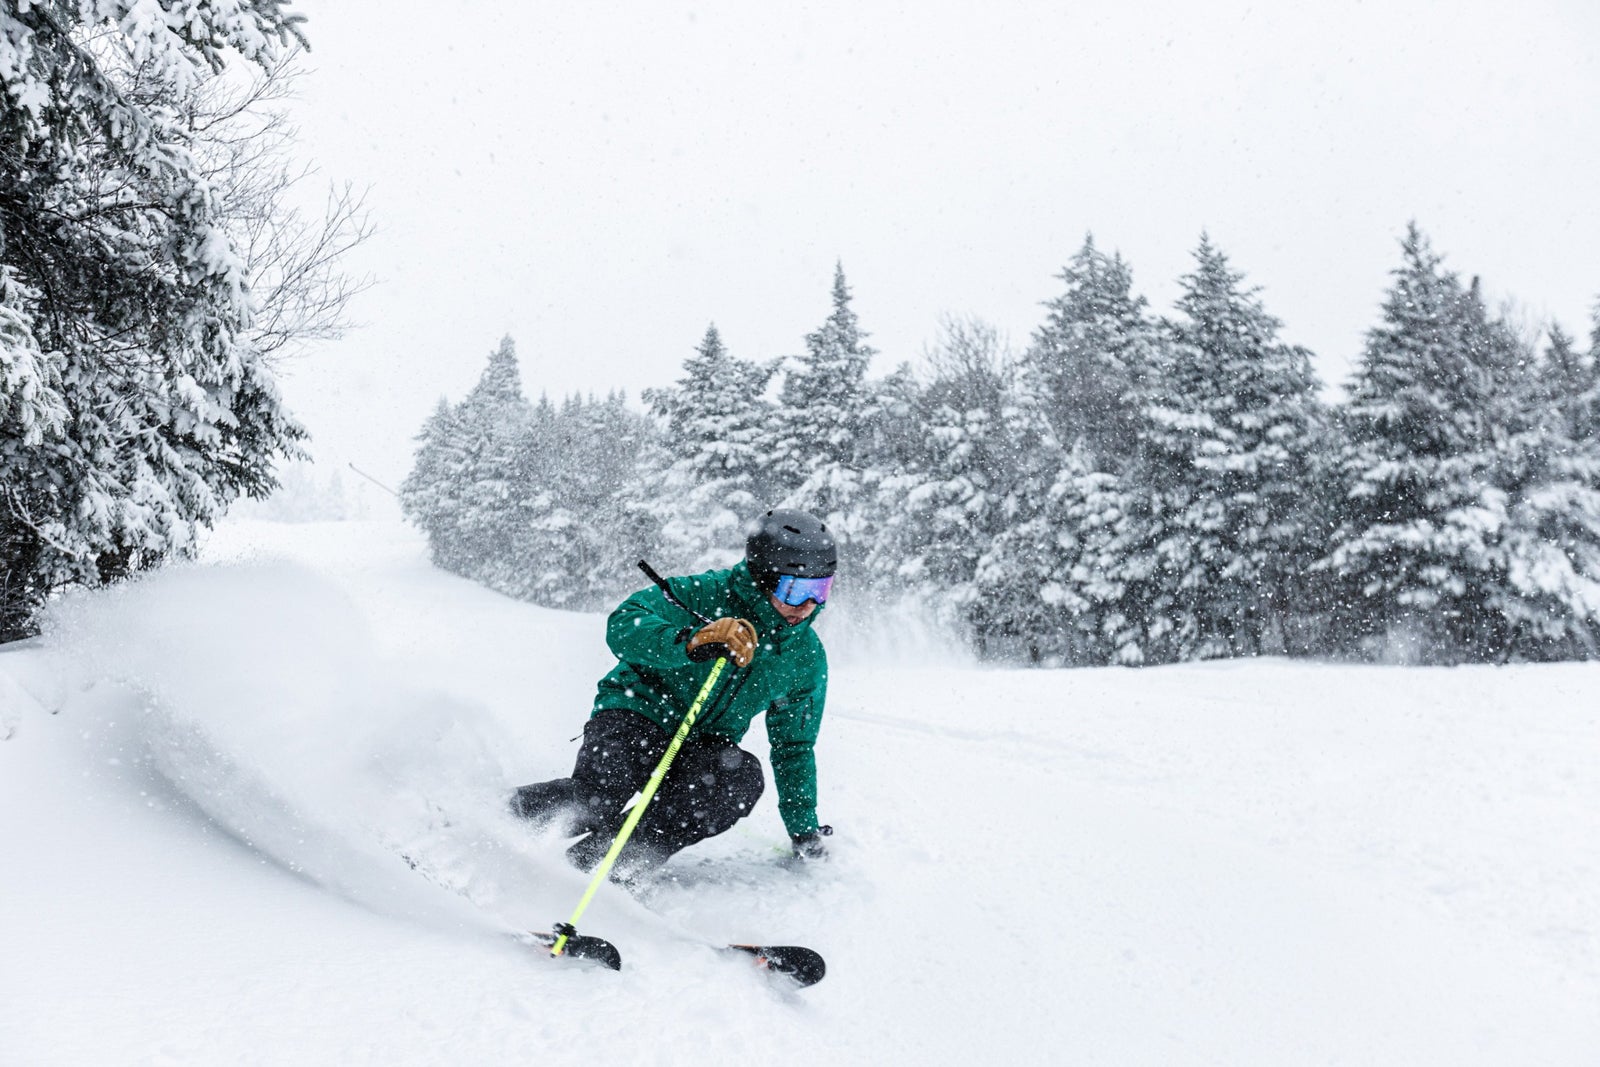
1228	430
543	525
1115	531
962	487
606	492
717	422
1074	567
1435	435
492	421
891	440
583	517
1092	358
1549	473
430	493
1125	606
1594	334
132	406
33	409
1568	388
463	488
815	443
1042	577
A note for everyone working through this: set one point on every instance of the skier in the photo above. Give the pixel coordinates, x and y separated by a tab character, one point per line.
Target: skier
762	611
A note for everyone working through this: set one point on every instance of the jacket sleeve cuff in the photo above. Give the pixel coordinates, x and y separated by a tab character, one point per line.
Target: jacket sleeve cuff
799	824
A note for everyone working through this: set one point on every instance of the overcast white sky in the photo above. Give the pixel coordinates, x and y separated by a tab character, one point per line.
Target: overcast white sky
601	180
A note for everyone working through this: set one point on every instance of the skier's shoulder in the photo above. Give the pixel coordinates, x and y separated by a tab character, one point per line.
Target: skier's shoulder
709	592
696	590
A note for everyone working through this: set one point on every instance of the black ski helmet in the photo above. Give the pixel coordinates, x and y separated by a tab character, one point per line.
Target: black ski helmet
785	541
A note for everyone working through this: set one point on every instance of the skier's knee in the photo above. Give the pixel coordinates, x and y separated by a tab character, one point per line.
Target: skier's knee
742	778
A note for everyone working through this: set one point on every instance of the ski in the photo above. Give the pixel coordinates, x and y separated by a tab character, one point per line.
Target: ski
578	947
795	963
801	965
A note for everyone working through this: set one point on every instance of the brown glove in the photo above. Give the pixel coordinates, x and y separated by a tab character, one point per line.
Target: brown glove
733	638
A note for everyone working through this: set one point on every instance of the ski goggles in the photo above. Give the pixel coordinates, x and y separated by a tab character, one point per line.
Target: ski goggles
795	591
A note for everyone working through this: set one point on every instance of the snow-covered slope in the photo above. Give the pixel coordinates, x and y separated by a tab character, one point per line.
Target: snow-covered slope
208	778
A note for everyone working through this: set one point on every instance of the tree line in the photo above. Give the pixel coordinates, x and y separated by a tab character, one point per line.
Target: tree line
1131	488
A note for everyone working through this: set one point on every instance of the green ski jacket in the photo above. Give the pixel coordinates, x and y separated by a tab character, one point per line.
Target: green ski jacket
787	679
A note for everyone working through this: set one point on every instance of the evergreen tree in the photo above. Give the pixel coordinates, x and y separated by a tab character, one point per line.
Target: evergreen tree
1056	578
1228	435
891	437
582	517
963	486
717	428
1594	335
1041	579
133	405
1435	437
543	523
1092	359
430	495
1567	379
1548	571
1117	577
463	486
543	502
490	424
816	449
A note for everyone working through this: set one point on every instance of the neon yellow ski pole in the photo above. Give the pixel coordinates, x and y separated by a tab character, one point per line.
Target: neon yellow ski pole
567	929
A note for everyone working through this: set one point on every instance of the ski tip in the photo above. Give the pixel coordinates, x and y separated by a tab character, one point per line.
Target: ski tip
798	964
581	947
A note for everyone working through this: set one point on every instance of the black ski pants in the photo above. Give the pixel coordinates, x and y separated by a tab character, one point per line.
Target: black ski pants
712	784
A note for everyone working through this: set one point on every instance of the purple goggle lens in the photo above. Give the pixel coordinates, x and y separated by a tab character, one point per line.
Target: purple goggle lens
795	591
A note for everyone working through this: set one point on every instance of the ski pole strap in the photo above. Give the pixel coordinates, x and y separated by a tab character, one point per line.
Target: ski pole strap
565	930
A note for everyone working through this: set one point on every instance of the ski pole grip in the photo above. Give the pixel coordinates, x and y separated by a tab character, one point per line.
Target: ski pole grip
564	932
